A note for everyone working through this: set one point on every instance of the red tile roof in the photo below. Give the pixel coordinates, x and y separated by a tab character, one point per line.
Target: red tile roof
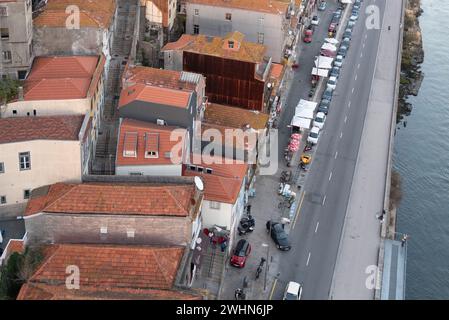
114	199
62	77
19	129
157	95
165	145
233	117
225	181
107	272
267	6
93	13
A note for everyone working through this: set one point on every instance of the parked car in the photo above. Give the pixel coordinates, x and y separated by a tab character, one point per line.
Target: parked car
332	83
322	6
319	120
308	36
241	252
337	14
324	106
293	291
327	94
315	20
342	51
335	20
314	135
332	27
347	33
278	235
354	17
335	71
350	25
345	42
338	62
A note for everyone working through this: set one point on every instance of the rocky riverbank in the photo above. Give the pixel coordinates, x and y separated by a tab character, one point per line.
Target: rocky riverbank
412	57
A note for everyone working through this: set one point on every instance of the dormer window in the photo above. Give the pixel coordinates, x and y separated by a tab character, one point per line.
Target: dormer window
151	145
231	44
130	145
228	16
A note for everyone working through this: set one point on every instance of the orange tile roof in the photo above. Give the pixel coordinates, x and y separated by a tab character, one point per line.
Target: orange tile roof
62	77
157	95
14	245
247	142
276	71
267	6
233	117
165	144
225	181
114	199
19	129
93	13
157	77
107	272
214	46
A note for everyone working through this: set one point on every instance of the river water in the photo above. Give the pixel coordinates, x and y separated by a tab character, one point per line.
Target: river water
422	158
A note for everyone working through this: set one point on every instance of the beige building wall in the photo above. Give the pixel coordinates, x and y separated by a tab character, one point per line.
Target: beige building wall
51	161
46	108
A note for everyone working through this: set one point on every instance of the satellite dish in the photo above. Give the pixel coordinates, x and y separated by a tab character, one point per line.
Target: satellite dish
199	183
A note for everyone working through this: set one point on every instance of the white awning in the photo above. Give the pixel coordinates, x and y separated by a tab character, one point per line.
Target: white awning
323	62
306	104
331	40
301	122
345	1
329	46
305	113
320	72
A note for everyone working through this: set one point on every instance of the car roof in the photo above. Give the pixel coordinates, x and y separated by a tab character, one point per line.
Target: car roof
315	129
320	114
334	78
242	243
293	287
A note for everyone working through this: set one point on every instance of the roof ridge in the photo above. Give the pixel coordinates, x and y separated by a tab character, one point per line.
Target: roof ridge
170	191
162	269
61	196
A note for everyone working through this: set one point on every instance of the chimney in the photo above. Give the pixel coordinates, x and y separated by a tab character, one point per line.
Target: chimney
20	93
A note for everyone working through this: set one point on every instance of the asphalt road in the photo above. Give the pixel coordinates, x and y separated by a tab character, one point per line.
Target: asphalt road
316	235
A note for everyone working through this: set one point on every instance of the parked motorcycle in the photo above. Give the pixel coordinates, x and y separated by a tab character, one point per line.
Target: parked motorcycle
259	268
246	225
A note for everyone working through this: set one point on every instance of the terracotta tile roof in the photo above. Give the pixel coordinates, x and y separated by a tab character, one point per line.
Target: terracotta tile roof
165	145
93	13
232	117
107	272
158	77
62	77
114	199
14	245
277	71
266	6
157	95
19	129
225	181
247	142
215	46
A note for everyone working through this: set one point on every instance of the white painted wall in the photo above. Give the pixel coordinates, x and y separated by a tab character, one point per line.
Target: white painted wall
46	107
51	161
220	217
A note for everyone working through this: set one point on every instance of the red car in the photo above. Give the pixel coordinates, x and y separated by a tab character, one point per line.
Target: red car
308	36
332	27
241	252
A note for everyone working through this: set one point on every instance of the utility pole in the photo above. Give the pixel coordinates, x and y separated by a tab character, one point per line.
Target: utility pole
266	269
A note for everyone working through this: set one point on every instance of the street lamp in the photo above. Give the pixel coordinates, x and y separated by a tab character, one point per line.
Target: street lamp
266	269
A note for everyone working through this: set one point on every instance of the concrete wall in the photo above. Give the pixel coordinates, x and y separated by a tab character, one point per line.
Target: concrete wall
211	21
19	23
85	228
151	170
51	161
173	60
46	107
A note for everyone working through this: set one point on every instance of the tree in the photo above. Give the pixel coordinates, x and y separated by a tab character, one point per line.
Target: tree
9	89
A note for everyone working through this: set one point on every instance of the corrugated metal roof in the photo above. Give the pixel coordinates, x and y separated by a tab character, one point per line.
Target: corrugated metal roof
190	77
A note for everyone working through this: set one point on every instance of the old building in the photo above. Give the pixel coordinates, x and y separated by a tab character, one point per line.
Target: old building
265	22
75	27
62	85
225	193
164	98
160	15
117	210
145	148
236	70
107	272
37	151
16	38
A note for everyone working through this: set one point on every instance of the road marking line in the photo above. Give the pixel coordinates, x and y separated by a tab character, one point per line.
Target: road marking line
336	153
366	35
361	54
330	176
349	104
308	258
363	45
272	289
298	210
358	66
341	134
352	90
324	200
346	118
355	77
316	228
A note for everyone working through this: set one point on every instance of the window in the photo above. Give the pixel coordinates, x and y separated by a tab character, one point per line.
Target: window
4	11
135	173
130	233
197	12
2	167
14	112
260	37
214	205
24	161
196	29
104	230
6	55
208	170
21	74
4	33
2	199
231	44
26	194
200	169
228	16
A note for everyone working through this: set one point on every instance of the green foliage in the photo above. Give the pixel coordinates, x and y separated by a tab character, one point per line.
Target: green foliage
8	89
